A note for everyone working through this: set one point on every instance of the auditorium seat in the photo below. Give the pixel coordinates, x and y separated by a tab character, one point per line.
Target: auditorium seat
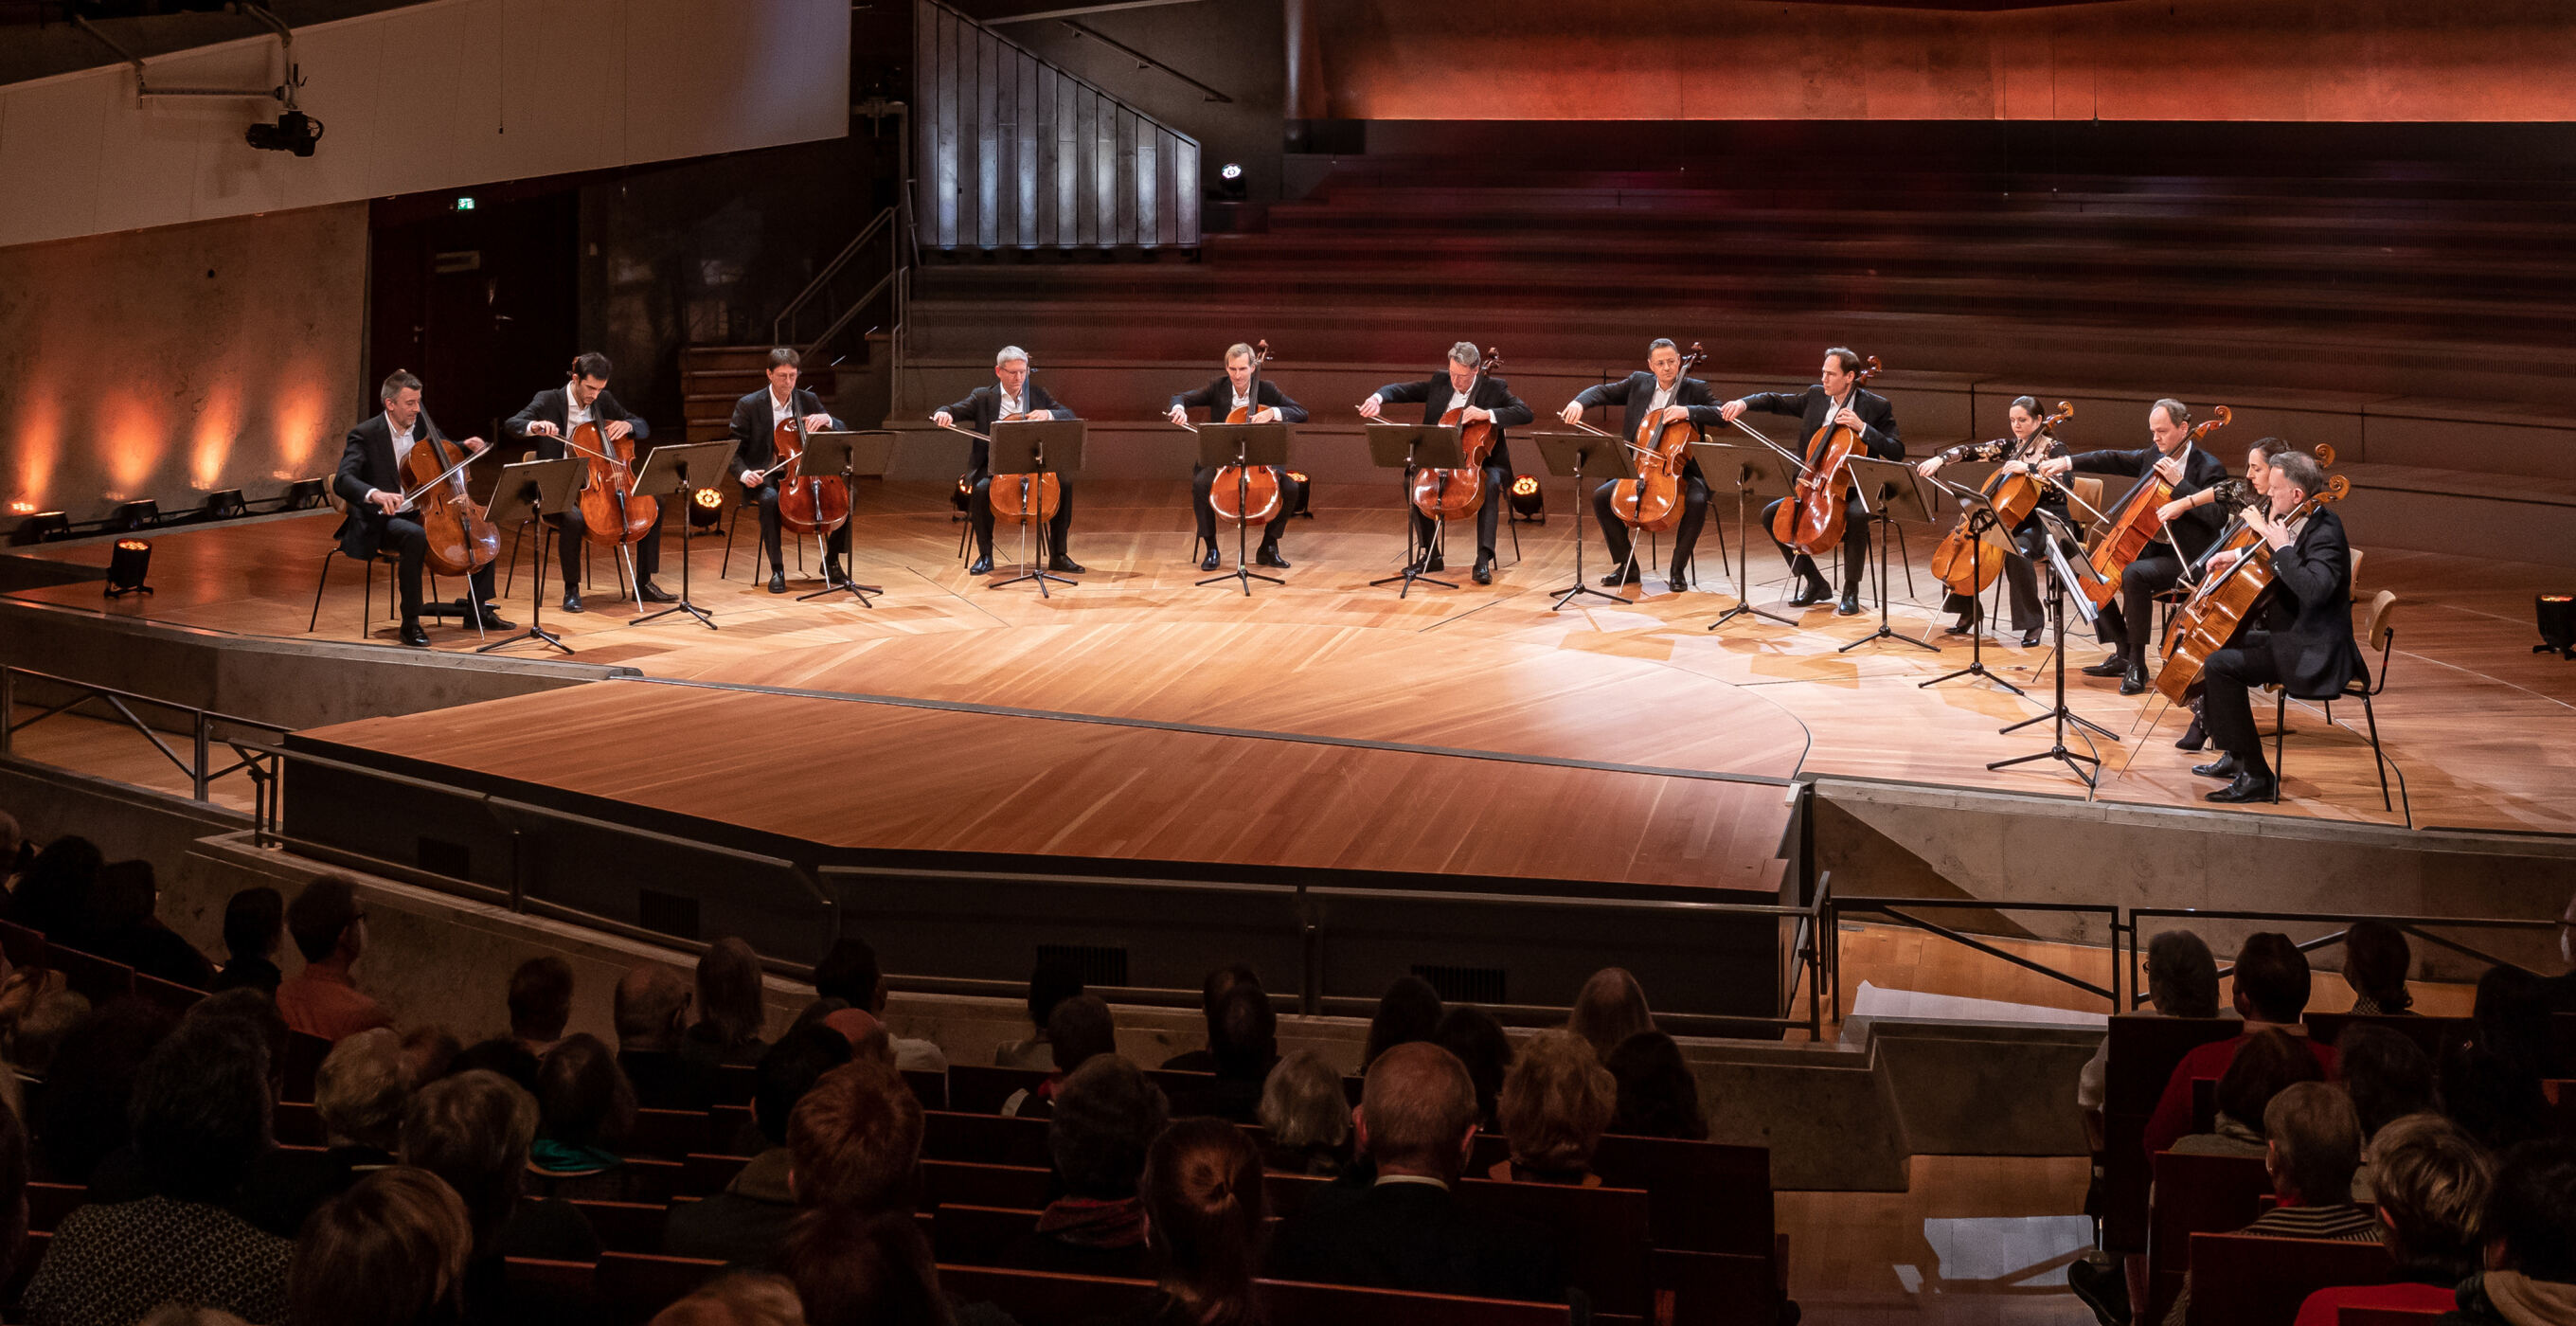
990	1138
1601	1231
670	1134
170	996
929	1086
969	1183
979	1235
297	1123
2431	1033
304	1056
48	1204
635	1285
2386	1317
2144	1051
92	977
1707	1288
2196	1195
736	1084
704	1174
626	1226
2249	1280
1701	1196
1039	1298
981	1089
24	946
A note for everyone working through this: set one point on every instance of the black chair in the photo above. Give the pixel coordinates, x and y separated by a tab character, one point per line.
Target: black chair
366	607
2380	635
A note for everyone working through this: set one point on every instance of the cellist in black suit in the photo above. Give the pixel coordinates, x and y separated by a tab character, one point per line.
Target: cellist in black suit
1265	404
2303	642
1011	394
2191	527
755	428
1659	389
371	482
549	420
1493	401
1835	399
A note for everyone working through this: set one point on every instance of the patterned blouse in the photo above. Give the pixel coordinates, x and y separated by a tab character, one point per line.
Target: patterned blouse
111	1265
2045	445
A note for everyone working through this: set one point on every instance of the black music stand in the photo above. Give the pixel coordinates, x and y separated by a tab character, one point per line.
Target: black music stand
851	454
2062	578
1566	456
1751	473
531	490
1981	523
1414	448
1243	446
1888	487
665	474
1035	446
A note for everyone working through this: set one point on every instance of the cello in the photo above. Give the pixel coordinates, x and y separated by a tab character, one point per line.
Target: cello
2011	495
2210	617
1246	494
1021	499
2238	495
2134	521
609	507
1811	520
1653	500
806	504
461	540
1456	494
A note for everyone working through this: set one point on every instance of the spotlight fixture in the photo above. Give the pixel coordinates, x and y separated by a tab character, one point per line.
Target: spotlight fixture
42	527
294	132
141	513
706	508
301	495
227	504
2557	624
958	496
126	567
1230	181
1527	502
1305	495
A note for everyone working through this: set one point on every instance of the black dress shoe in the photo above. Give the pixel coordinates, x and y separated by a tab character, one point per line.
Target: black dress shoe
653	593
2134	680
777	582
412	634
1269	556
2030	638
832	572
1431	565
2193	737
1963	626
1484	572
2109	667
2249	786
572	601
982	566
1624	577
493	621
1211	561
1850	606
1679	579
1064	564
2225	766
1811	593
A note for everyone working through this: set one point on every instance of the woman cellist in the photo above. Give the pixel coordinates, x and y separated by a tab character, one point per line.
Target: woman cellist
2187	470
1243	396
2032	441
1836	401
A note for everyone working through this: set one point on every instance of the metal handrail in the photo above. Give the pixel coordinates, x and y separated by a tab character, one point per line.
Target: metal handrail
2412	925
202	722
1891	907
780	326
892	225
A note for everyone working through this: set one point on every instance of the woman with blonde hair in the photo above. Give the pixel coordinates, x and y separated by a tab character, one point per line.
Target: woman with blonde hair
1556	1103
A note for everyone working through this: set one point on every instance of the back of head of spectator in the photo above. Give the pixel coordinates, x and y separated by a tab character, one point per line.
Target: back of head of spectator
1106	1114
2531	1214
867	1038
731	1012
2315	1144
2182	976
505	1055
1243	1032
254	924
855	1140
91	1085
429	1052
2271	979
2512	1018
2268	1064
1081	1029
21	991
583	1098
2387	1075
2431	1183
1477	1039
200	1113
391	1250
13	841
1418	1112
1556	1103
652	1008
1051	982
2496	1097
853	1267
38	1034
328	927
788	1071
1409	1011
473	1131
255	1013
1609	1009
53	892
849	972
1303	1106
2375	959
361	1090
1204	1208
741	1299
122	899
541	1000
1658	1093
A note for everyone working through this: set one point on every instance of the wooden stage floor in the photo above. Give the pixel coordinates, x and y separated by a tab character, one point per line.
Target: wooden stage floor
2483	730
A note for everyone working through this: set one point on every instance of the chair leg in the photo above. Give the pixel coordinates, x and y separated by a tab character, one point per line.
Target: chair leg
1516	537
2280	738
318	587
1905	558
726	567
510	578
2377	756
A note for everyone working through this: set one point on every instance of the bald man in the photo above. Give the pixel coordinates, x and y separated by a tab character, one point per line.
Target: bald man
653	1006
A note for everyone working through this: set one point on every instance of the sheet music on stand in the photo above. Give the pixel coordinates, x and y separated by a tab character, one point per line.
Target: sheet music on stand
1246	445
684	469
1584	457
846	454
1413	448
1036	446
1754	473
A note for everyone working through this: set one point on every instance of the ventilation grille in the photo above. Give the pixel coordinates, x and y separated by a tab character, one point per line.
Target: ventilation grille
667	913
1096	964
1468	985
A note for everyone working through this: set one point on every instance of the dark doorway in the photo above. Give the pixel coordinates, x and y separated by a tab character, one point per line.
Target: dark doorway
481	302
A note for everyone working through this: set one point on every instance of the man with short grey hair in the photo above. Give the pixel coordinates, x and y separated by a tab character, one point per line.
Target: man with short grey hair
2127	624
372	481
1478	398
1012	396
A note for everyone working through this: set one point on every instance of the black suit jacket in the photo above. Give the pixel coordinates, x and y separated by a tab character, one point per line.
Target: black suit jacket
367	462
2307	616
1437	396
756	433
982	408
1637	391
1813	407
2193	530
1414	1236
1217	398
553	406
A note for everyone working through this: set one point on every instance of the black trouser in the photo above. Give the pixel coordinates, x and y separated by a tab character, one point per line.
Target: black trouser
2130	623
1614	531
2020	572
2226	702
1855	547
1488	516
410	543
765	500
979	513
575	531
1203	479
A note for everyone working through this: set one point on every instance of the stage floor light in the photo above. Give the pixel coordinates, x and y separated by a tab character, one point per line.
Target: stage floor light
126	568
141	513
706	507
1528	503
301	495
42	527
227	504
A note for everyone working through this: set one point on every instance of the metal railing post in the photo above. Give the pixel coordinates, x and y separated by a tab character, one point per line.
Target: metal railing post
8	707
198	774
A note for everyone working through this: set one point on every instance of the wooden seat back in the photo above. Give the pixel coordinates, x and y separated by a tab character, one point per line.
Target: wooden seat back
1600	1232
626	1226
736	1084
929	1086
50	1204
979	1235
981	1088
2433	1035
633	1285
1043	1298
1714	1287
968	1183
2144	1051
170	996
2196	1195
703	1174
2250	1280
304	1056
297	1123
90	976
668	1134
24	945
987	1138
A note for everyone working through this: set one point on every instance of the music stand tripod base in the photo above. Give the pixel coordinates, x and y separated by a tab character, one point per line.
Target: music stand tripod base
665	473
1884	516
1243	446
1977	637
1566	455
532	489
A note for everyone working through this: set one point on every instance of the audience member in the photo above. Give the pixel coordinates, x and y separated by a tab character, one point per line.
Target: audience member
2432	1185
36	1007
740	1299
2388	1077
1051	982
1203	1060
2315	1145
1554	1107
652	1018
2496	1096
254	934
1407	1230
747	1222
1204	1208
2182	982
1245	1046
15	850
2271	990
199	1118
82	1117
855	1267
53	893
2271	1062
583	1105
866	1037
360	1094
1609	1009
121	927
473	1131
1306	1117
17	1164
506	1055
2512	1018
540	1002
1478	1040
2530	1231
391	1251
849	972
731	1011
854	1140
1106	1116
189	1314
1658	1093
2375	959
330	930
1409	1011
1080	1029
429	1052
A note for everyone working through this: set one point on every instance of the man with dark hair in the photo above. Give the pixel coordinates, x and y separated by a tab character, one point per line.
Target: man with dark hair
1211	992
2271	991
254	930
1011	396
1478	399
549	419
2127	624
1837	400
1106	1116
652	1014
756	421
1052	982
540	1002
330	930
2531	1242
123	927
849	972
747	1223
1243	1041
1407	1230
373	477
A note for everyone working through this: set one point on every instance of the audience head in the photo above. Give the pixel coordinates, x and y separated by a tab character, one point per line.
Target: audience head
361	1090
1106	1115
1051	982
541	999
429	1052
52	892
36	1008
254	923
1556	1103
2182	976
2271	978
1418	1112
12	839
1203	1213
740	1299
189	1314
1610	1008
2495	1097
2387	1075
790	1069
91	1084
2432	1184
1213	988
1303	1106
1477	1039
867	1038
200	1113
849	972
2375	959
254	1013
2315	1144
855	1140
473	1131
2265	1066
2531	1212
327	922
652	1008
729	990
2512	1015
1080	1029
1658	1093
1243	1032
854	1267
123	897
1408	1012
390	1250
583	1098
504	1055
